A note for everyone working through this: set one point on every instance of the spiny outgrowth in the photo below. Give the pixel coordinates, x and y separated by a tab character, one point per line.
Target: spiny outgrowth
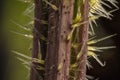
93	49
27	61
97	10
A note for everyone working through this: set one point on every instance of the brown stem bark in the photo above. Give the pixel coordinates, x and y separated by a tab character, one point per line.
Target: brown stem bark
35	50
58	47
39	45
80	72
83	58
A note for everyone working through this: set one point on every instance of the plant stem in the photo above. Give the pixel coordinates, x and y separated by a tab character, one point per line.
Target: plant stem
58	47
34	75
80	73
83	58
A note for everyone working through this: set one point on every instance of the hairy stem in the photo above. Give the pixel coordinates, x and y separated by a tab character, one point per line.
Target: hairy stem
80	73
83	58
34	73
58	47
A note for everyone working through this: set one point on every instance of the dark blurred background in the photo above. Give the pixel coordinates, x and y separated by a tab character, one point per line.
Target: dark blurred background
112	56
12	69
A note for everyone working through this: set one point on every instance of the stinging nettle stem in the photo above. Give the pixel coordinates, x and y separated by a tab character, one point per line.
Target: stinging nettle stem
82	61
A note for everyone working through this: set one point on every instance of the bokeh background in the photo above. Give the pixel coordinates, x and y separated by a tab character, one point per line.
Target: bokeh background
12	69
